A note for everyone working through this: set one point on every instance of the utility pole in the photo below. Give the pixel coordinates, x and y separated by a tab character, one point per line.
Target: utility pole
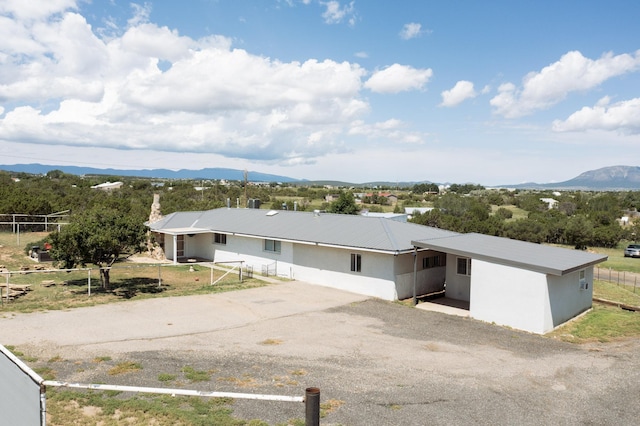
246	199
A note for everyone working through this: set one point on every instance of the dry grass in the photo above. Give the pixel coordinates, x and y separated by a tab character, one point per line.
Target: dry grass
82	288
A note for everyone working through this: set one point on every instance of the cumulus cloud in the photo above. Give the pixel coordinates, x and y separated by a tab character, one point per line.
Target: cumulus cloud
149	87
573	72
462	91
622	117
336	13
389	130
398	78
411	30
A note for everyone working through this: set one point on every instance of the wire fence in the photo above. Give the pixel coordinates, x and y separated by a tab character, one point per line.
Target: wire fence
629	279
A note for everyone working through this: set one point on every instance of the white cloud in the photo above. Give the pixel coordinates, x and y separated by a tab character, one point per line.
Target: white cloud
622	117
389	130
462	91
148	87
573	72
140	14
335	13
35	10
398	78
410	31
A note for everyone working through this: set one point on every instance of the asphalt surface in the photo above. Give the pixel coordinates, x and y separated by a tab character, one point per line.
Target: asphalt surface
376	362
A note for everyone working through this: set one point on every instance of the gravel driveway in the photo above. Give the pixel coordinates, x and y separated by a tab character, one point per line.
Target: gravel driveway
376	362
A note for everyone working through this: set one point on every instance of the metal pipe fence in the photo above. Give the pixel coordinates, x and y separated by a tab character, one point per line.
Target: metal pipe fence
20	410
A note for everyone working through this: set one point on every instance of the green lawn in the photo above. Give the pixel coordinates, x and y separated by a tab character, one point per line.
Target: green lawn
604	323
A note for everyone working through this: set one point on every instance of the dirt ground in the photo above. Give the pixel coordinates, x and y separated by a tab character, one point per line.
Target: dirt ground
376	362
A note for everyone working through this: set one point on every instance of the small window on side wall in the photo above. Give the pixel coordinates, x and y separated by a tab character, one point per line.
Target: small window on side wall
464	266
584	285
356	262
220	238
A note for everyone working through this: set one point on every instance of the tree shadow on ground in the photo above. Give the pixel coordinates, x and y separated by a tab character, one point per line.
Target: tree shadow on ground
130	287
125	288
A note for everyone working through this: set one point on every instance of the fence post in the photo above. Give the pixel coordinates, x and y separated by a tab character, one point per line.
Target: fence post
89	281
159	275
312	407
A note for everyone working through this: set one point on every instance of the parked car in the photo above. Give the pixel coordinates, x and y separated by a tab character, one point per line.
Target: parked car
632	250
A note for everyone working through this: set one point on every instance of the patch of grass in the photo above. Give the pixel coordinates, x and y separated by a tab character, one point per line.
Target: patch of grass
166	377
603	323
329	407
71	407
46	373
196	375
300	372
100	359
245	382
124	367
618	293
56	358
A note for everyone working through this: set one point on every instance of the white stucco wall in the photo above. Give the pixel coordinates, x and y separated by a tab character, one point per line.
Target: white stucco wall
331	267
509	296
527	300
566	299
458	286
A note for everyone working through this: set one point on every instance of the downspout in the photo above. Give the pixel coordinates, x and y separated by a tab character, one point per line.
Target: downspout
415	275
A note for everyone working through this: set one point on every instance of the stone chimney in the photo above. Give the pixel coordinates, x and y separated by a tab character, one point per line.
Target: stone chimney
155	250
155	215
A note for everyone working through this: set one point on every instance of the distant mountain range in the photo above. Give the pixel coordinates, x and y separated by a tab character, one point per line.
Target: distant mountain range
210	173
614	178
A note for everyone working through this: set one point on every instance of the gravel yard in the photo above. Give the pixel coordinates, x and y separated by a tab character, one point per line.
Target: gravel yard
376	362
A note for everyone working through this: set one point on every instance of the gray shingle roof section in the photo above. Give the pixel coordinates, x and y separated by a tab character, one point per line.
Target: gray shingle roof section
535	257
349	231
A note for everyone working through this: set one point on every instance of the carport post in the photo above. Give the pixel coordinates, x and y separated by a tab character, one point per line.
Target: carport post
312	407
415	275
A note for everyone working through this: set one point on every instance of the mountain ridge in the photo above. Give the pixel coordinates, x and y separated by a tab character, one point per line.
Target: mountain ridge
606	178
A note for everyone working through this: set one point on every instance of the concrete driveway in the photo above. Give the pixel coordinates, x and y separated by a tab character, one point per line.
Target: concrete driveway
376	362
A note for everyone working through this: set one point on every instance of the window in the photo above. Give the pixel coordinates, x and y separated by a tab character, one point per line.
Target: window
434	261
584	285
220	238
464	266
356	262
272	245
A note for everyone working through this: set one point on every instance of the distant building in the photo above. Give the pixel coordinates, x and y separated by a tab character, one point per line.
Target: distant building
108	186
550	202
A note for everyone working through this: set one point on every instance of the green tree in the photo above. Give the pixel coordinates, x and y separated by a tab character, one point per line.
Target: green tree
100	237
579	232
345	204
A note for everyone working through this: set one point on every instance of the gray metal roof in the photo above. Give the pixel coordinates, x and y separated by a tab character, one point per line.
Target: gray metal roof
535	257
349	231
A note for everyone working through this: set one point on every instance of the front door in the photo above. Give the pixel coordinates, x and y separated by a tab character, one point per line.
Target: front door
180	246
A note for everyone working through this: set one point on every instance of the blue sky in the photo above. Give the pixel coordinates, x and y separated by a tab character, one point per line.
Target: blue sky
490	92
